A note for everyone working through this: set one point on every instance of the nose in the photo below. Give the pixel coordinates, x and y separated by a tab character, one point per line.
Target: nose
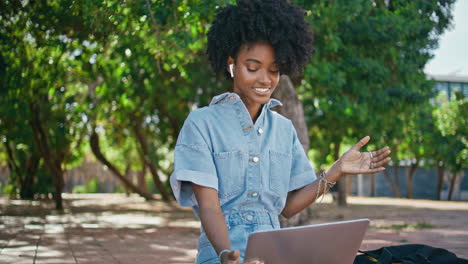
265	78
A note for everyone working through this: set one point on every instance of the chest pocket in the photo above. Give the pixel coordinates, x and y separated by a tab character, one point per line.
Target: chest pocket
280	172
230	168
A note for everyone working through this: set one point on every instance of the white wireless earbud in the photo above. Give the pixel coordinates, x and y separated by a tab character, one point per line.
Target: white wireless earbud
231	67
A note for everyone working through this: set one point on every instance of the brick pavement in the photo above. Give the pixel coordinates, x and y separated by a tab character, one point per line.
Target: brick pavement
115	229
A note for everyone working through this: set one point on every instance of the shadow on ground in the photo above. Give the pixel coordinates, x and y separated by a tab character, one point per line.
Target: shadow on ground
111	228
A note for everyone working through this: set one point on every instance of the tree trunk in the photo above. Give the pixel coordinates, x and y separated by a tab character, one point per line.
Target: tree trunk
32	167
409	179
141	139
453	181
341	197
292	109
440	180
142	174
394	189
141	178
25	173
128	176
372	185
349	186
52	159
14	168
96	149
395	172
397	179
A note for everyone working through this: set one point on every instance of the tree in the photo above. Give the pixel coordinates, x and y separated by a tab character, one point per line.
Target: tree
435	137
150	74
417	145
39	47
22	157
451	120
367	68
123	76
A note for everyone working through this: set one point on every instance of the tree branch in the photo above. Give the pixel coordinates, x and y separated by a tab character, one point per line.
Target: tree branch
96	149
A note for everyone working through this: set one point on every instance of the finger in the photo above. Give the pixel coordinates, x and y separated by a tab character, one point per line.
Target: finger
381	154
374	170
234	254
380	151
361	143
382	162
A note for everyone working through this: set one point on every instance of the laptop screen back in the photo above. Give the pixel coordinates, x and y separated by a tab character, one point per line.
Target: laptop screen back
331	243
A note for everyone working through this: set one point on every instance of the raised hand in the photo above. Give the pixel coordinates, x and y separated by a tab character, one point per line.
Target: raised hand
355	162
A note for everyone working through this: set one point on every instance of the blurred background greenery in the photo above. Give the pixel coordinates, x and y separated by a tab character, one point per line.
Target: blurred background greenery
111	82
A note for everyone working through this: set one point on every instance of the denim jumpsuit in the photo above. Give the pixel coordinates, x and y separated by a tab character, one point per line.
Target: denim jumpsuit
252	166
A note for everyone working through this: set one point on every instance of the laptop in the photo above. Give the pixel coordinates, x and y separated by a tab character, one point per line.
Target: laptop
329	243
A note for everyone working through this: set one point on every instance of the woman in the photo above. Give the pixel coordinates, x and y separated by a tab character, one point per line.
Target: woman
239	164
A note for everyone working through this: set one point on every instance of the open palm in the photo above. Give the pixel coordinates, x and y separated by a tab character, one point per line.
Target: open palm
355	162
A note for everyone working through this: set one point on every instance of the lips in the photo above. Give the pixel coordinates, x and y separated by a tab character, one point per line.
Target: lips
262	90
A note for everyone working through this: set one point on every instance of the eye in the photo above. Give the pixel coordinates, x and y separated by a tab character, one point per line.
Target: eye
274	69
251	70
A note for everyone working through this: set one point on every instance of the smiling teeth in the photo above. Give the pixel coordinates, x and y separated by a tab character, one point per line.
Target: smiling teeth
262	90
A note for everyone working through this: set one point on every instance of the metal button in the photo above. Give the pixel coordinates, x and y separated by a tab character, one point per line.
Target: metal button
255	159
260	131
249	217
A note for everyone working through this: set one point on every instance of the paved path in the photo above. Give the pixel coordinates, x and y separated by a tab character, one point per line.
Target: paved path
116	229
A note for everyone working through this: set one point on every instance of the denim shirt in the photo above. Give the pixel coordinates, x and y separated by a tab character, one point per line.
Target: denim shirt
253	166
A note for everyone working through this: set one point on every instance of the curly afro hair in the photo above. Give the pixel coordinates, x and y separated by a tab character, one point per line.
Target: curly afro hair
277	22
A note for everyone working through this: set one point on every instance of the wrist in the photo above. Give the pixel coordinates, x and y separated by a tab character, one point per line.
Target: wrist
335	172
220	255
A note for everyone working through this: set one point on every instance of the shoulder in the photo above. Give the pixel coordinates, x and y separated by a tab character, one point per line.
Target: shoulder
204	115
198	114
194	130
220	106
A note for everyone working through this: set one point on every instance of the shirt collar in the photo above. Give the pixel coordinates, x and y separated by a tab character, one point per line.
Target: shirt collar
233	97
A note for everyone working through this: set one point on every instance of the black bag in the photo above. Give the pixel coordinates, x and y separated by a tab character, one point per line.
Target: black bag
409	254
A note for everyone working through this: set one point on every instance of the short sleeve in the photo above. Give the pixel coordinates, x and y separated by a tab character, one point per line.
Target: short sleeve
302	172
193	163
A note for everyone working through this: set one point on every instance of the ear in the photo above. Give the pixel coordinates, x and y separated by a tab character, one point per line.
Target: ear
230	66
230	60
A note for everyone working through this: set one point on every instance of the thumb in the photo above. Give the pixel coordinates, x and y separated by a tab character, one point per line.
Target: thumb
361	143
234	254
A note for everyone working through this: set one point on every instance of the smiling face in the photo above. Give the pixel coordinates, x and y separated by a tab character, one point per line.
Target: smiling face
256	74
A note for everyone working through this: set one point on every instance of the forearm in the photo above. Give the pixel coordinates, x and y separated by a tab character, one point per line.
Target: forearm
351	162
212	217
300	199
213	223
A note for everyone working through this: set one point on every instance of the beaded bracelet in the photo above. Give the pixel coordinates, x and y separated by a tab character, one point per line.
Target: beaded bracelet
325	184
322	178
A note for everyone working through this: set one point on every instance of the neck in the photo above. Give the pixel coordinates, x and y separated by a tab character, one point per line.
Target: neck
255	112
253	108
